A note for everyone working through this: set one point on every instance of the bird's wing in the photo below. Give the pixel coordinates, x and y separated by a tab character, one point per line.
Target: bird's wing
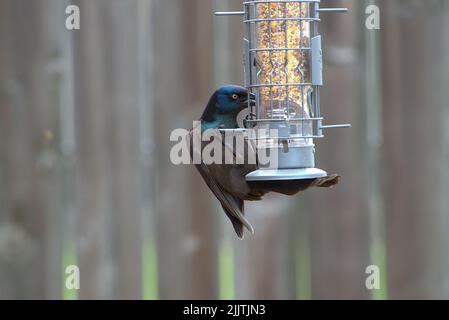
232	205
231	177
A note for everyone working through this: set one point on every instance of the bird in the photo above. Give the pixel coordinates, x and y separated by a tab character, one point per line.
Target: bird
227	181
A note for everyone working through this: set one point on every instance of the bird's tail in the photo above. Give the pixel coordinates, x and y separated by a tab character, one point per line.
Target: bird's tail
237	217
291	188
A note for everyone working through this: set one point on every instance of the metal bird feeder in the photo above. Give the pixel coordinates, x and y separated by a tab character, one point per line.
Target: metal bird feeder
283	65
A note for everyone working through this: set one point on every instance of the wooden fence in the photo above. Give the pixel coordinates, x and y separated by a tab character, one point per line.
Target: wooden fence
86	179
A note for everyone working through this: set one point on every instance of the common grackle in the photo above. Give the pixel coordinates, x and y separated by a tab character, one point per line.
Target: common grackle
227	181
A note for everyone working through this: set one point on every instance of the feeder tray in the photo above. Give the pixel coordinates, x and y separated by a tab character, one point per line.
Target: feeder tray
285	174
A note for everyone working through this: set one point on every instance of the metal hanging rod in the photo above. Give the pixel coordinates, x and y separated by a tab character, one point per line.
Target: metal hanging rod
336	126
241	13
335	10
230	13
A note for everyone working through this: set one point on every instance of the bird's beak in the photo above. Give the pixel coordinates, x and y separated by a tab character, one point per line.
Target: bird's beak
251	99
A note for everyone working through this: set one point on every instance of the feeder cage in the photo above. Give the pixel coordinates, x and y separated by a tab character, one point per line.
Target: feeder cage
284	70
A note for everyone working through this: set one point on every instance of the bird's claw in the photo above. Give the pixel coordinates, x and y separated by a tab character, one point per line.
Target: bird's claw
247	121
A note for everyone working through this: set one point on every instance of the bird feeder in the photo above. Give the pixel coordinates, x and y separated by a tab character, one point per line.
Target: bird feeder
283	64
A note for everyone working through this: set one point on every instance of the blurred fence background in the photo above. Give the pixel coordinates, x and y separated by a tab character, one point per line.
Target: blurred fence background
86	179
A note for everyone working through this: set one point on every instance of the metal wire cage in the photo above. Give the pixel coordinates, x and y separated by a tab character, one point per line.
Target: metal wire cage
283	67
278	67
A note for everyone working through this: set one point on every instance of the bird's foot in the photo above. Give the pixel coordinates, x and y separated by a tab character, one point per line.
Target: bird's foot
247	121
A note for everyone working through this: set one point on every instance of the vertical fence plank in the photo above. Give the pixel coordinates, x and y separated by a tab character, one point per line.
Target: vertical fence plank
8	285
17	165
126	160
371	116
147	145
66	104
33	220
186	225
338	220
108	113
413	104
53	81
94	123
441	68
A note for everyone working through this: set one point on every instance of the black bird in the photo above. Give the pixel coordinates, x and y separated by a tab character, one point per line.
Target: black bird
227	181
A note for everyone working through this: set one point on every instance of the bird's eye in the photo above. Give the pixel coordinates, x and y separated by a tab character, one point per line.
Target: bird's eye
235	96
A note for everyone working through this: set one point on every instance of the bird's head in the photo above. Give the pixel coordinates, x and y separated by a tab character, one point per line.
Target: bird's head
227	102
231	99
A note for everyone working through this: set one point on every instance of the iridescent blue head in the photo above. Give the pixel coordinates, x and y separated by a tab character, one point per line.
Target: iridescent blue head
225	104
